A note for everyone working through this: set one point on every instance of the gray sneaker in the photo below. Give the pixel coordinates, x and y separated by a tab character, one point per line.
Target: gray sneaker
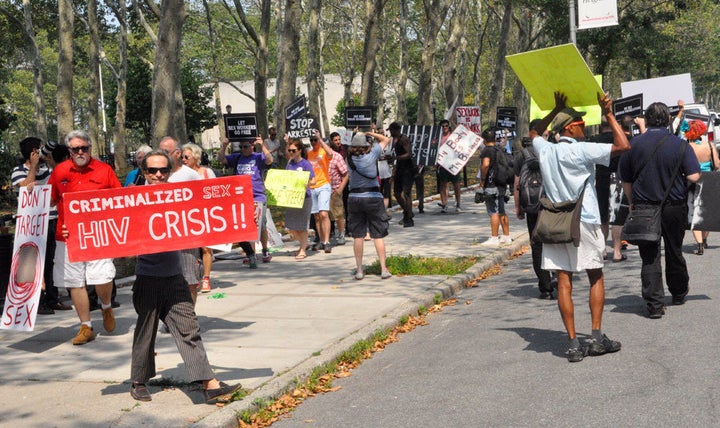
340	239
602	347
575	355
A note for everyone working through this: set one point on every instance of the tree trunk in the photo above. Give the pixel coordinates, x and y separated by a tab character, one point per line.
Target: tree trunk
38	78
374	9
290	51
66	19
94	81
121	97
435	12
214	71
497	84
454	53
168	110
382	70
401	87
313	57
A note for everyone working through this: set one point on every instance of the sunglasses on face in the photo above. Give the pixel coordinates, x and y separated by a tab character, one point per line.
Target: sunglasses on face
187	156
245	146
152	171
292	150
78	149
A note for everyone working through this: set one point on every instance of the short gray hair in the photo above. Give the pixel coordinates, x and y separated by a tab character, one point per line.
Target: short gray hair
78	133
143	165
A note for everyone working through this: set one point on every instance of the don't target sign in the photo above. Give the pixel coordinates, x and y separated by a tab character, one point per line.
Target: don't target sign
28	262
156	218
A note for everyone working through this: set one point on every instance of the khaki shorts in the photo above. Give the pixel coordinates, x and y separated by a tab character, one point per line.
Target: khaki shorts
337	210
569	258
75	275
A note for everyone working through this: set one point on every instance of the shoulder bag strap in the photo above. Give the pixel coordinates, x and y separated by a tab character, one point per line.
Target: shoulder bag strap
677	169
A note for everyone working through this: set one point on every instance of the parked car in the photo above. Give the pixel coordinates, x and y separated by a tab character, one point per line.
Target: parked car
713	122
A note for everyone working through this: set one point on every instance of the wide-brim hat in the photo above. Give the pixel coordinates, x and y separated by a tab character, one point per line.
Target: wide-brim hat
566	116
359	140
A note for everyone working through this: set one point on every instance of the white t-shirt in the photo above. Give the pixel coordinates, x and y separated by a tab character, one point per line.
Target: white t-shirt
185	173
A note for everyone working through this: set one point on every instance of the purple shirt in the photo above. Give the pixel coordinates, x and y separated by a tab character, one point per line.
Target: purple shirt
253	166
302	165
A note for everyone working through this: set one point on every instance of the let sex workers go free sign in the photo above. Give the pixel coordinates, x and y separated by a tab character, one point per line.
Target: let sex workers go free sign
156	218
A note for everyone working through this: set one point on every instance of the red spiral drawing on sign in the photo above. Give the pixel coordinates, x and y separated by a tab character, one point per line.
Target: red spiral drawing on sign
25	274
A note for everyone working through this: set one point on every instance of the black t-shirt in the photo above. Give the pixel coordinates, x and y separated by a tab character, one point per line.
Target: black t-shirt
489	152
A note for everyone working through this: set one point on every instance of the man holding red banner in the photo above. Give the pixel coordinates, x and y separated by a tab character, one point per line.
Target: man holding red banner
82	172
161	293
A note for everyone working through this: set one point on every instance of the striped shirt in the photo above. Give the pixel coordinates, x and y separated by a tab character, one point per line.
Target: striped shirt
20	173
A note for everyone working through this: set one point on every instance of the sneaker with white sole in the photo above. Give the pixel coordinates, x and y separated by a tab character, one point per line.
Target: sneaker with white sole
505	239
493	241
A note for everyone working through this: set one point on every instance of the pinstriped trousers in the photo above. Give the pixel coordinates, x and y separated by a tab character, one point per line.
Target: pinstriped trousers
167	299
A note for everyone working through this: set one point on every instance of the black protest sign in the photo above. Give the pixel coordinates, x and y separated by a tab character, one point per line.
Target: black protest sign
632	105
240	126
295	110
507	117
425	140
359	117
302	127
673	110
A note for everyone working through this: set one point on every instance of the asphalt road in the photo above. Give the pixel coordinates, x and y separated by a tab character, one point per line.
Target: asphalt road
496	359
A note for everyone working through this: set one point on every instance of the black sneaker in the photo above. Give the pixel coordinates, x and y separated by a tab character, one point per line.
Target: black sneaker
605	346
45	310
575	355
409	223
545	295
656	313
678	300
327	247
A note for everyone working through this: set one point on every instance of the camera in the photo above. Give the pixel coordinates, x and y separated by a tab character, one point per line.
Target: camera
526	141
479	196
47	148
507	198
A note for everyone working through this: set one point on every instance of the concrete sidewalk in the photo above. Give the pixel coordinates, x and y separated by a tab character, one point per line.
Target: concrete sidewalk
265	328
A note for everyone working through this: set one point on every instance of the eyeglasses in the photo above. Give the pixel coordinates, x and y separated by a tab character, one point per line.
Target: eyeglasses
153	171
292	150
187	156
245	146
78	149
446	126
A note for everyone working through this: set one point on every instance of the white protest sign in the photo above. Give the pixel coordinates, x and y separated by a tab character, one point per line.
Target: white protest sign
458	148
469	117
668	89
28	262
597	13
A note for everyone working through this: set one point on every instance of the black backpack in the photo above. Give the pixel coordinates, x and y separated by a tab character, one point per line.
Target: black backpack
530	185
503	168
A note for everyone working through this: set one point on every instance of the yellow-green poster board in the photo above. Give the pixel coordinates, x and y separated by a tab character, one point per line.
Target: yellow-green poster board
558	68
285	188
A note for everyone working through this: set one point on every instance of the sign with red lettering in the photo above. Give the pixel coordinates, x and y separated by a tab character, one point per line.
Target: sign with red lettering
469	117
156	218
458	149
28	262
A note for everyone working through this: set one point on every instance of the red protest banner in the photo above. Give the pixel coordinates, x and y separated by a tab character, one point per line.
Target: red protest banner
165	217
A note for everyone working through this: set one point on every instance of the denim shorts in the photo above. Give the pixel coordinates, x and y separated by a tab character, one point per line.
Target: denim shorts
321	198
495	200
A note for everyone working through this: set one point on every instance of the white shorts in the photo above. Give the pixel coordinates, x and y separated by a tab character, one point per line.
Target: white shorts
321	198
568	257
76	275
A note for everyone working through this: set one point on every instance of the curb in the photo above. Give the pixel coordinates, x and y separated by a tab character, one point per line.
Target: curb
276	387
